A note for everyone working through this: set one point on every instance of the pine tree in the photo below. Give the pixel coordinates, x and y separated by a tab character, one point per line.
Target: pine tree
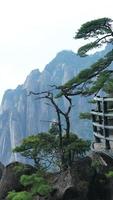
99	75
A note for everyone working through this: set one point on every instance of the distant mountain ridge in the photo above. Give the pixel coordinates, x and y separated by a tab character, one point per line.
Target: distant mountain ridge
22	115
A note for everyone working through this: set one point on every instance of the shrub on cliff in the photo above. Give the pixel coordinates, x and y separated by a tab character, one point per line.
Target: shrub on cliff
19	196
36	184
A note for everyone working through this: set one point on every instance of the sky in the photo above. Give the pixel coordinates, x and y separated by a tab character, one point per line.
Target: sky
32	32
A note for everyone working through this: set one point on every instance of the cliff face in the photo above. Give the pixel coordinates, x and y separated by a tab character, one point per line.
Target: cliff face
83	181
22	115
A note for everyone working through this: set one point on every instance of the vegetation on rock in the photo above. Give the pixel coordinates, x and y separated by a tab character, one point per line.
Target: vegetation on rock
34	184
44	149
57	149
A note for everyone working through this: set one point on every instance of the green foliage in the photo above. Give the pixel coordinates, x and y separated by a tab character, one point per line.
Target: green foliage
20	168
81	77
39	148
99	82
76	146
109	174
79	147
44	149
108	87
94	78
19	196
96	164
38	184
44	189
93	28
85	115
84	49
91	80
35	184
11	195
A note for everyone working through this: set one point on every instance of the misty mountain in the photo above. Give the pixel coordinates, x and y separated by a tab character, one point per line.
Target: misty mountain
22	115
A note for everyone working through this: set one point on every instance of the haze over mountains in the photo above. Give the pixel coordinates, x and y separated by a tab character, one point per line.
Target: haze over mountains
22	115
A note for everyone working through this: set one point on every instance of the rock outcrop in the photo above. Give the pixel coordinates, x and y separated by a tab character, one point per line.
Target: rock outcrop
74	184
10	179
1	170
83	181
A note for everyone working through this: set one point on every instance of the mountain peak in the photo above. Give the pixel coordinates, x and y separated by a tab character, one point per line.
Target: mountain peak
64	56
35	72
65	53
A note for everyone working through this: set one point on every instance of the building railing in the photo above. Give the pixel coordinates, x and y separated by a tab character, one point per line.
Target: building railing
102	120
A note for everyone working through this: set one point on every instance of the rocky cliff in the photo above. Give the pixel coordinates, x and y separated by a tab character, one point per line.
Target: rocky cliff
22	115
85	180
